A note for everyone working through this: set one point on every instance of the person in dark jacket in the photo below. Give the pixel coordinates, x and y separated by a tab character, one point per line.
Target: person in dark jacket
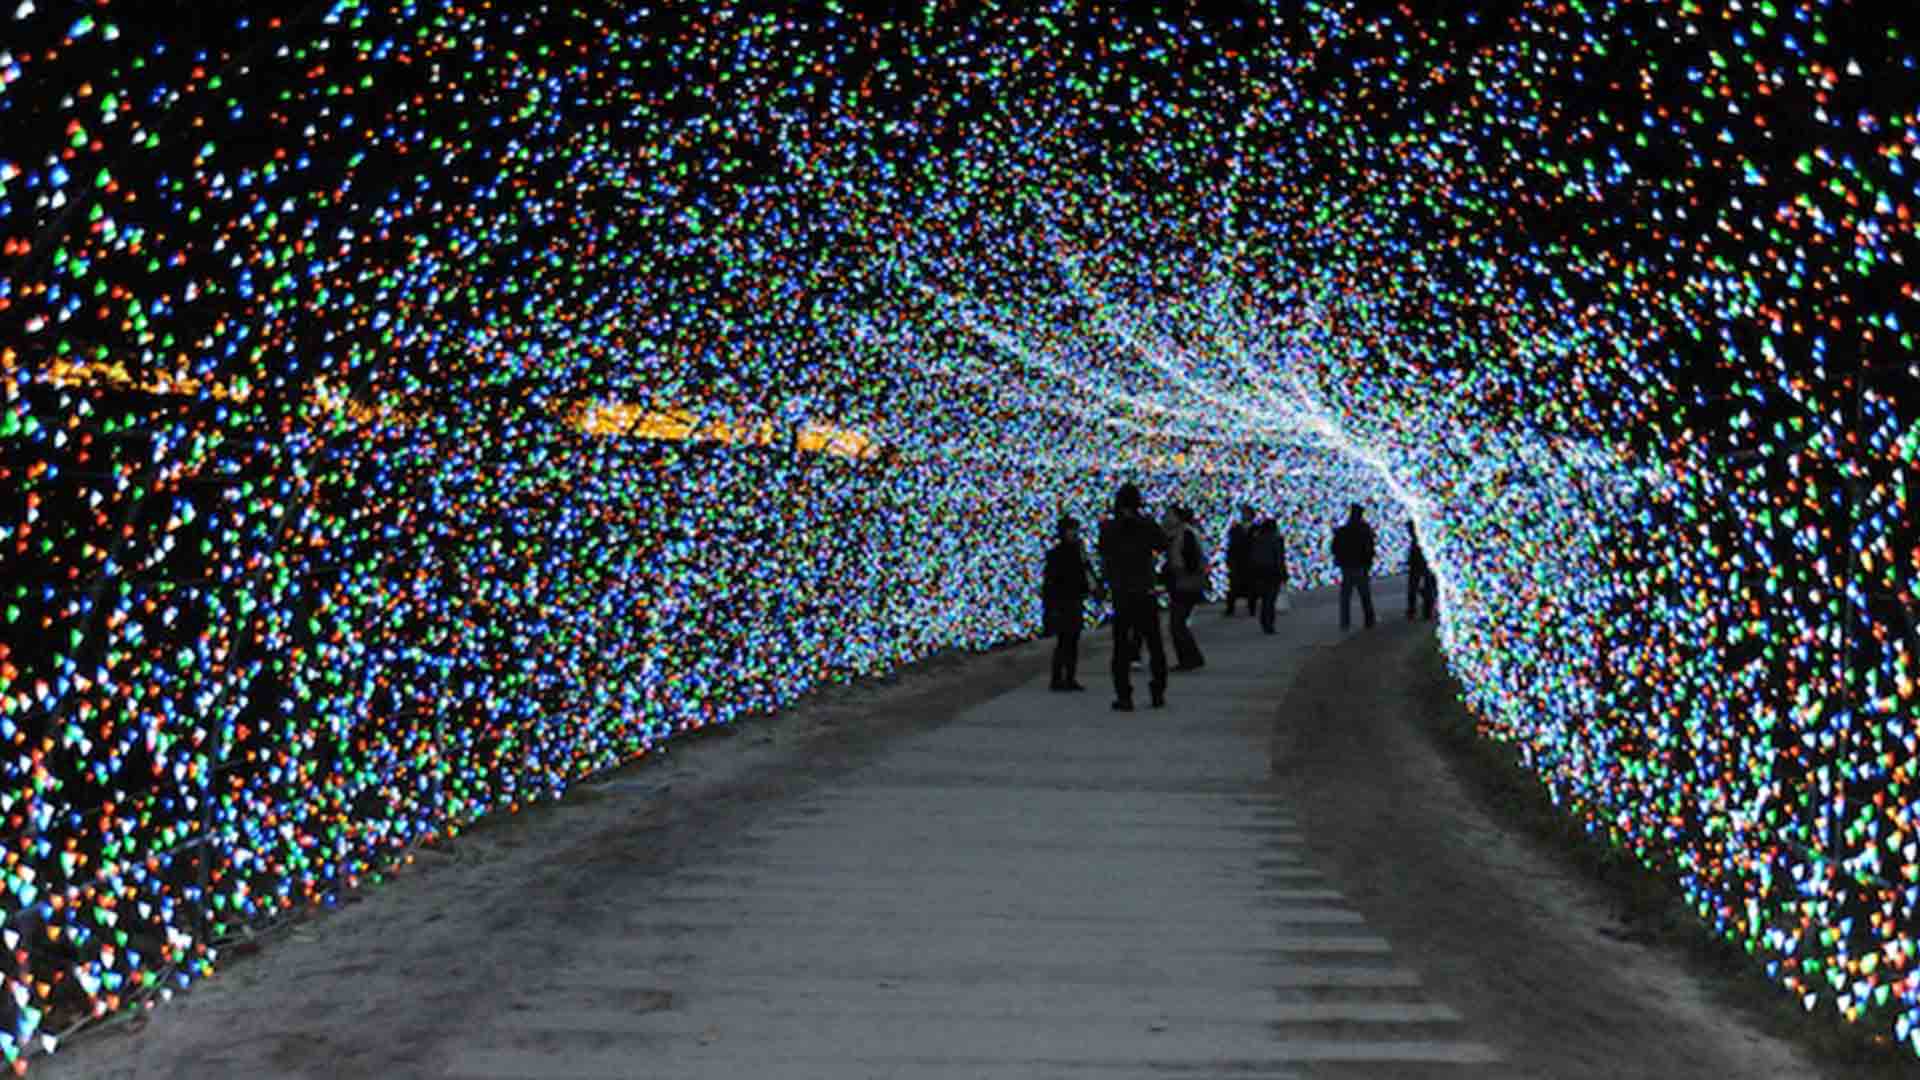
1064	588
1241	579
1129	544
1267	566
1187	580
1353	546
1422	586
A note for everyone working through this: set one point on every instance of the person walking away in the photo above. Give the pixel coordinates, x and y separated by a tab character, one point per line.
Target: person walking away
1422	585
1187	558
1064	587
1353	548
1129	544
1241	579
1267	563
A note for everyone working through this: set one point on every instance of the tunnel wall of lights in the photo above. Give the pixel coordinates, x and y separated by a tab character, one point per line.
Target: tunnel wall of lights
413	409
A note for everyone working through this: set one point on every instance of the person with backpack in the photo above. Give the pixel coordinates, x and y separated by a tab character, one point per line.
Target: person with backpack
1353	545
1267	566
1064	587
1129	543
1187	585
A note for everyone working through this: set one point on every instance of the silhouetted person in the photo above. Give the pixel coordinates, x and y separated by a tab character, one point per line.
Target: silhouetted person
1422	586
1129	544
1064	588
1267	564
1241	580
1353	554
1187	587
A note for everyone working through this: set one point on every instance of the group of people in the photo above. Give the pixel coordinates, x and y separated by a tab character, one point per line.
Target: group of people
1131	546
1353	553
1139	555
1256	566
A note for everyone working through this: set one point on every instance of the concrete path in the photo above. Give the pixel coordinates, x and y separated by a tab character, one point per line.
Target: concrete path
1041	888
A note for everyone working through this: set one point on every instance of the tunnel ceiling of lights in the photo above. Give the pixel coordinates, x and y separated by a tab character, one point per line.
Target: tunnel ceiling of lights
412	409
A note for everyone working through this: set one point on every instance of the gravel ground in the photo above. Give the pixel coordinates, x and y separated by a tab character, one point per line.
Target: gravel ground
1505	930
1500	924
379	987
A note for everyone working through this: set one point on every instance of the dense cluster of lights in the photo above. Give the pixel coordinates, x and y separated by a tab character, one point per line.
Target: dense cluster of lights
411	409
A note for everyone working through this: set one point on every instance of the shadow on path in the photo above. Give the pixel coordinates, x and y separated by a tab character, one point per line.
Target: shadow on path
1499	927
956	874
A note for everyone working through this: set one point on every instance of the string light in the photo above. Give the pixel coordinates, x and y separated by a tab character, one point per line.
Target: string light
412	409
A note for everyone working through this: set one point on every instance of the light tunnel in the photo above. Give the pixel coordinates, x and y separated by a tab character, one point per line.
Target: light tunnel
413	409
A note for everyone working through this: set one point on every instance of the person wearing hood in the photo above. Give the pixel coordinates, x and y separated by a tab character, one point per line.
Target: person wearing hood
1187	585
1065	585
1129	543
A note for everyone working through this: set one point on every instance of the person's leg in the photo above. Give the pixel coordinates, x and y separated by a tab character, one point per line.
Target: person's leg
1175	627
1156	652
1198	658
1070	670
1413	591
1365	585
1185	651
1430	593
1269	594
1194	657
1346	600
1125	612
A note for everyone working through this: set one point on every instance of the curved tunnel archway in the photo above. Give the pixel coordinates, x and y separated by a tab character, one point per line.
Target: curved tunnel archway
411	411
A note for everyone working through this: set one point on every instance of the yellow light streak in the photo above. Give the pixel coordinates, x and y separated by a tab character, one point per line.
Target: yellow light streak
602	419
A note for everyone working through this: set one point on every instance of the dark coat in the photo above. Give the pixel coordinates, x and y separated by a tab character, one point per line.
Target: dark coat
1353	546
1128	544
1416	560
1267	557
1064	587
1239	544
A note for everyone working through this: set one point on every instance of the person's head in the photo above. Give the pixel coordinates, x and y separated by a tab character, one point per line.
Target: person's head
1186	514
1067	528
1246	512
1127	499
1354	512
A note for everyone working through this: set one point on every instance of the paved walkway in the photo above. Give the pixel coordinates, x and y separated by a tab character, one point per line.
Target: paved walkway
1041	888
